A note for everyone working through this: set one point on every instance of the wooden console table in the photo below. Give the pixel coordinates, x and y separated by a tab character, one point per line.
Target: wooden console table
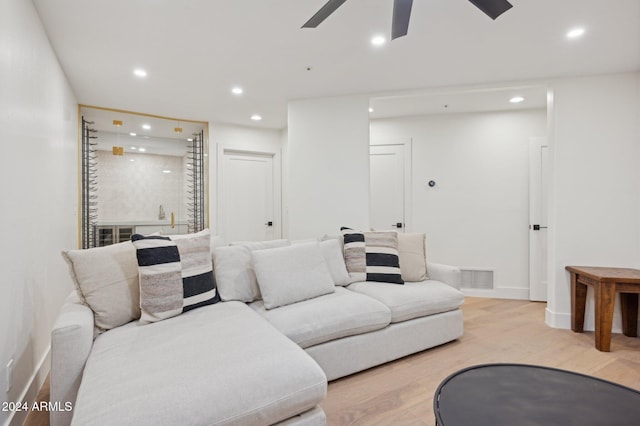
605	282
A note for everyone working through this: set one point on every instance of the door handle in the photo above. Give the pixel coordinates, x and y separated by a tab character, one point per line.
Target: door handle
538	227
397	225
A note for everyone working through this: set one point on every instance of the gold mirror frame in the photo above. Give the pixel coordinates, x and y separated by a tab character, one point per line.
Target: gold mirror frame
176	124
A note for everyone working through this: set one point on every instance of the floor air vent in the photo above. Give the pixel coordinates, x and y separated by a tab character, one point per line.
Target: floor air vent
481	279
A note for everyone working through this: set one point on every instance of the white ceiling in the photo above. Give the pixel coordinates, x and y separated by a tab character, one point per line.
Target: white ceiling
195	50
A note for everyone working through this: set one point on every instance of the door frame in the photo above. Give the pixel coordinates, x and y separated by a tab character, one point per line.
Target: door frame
277	186
536	260
407	153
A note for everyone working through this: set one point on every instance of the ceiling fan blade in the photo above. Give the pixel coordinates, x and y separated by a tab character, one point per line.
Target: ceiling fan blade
323	13
492	8
401	15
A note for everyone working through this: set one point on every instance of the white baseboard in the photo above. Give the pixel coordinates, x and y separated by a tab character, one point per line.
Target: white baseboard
498	293
31	389
563	320
557	319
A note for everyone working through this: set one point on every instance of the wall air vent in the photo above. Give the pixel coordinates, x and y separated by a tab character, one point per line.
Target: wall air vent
480	279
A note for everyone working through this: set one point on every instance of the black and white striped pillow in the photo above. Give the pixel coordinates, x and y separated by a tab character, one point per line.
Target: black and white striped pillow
372	256
175	275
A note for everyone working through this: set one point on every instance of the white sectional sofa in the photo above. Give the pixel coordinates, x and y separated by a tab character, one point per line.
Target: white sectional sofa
261	356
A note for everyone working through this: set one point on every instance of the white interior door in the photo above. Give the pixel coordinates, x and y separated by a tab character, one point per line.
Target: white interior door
387	187
538	211
247	202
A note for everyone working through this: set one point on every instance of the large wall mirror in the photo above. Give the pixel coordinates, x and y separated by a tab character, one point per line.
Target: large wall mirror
140	174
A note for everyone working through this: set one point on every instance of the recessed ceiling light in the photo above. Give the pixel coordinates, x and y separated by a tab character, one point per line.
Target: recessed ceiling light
132	160
190	140
146	126
237	90
378	40
575	33
256	117
516	99
142	149
370	109
166	171
134	148
132	134
139	72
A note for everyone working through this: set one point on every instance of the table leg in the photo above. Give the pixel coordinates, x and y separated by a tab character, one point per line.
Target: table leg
629	308
604	295
578	303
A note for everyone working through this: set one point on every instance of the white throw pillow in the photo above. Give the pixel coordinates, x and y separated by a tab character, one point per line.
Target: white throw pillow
234	275
335	262
292	274
235	278
107	281
412	254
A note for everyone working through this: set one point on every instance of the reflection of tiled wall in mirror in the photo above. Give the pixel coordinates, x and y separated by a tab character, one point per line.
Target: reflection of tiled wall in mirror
134	190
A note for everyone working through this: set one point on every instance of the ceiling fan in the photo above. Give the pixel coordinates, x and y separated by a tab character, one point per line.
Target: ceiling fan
402	13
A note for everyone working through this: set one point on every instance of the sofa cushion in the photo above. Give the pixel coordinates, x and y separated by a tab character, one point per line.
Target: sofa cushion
332	252
107	281
176	274
233	269
412	256
412	300
329	317
222	364
372	256
291	274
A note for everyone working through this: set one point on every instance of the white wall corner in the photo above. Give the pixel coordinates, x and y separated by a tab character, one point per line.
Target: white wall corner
557	319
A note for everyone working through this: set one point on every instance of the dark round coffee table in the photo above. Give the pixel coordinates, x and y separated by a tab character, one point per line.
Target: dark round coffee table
522	395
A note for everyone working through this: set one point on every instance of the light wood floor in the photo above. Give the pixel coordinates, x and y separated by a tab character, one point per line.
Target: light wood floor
401	392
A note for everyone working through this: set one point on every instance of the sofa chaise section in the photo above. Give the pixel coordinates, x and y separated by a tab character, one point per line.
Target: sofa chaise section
222	364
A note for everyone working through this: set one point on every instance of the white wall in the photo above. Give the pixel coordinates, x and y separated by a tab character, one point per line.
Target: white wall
595	213
328	166
477	215
38	166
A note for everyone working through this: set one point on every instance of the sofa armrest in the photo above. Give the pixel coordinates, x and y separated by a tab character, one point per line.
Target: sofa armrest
446	273
71	342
